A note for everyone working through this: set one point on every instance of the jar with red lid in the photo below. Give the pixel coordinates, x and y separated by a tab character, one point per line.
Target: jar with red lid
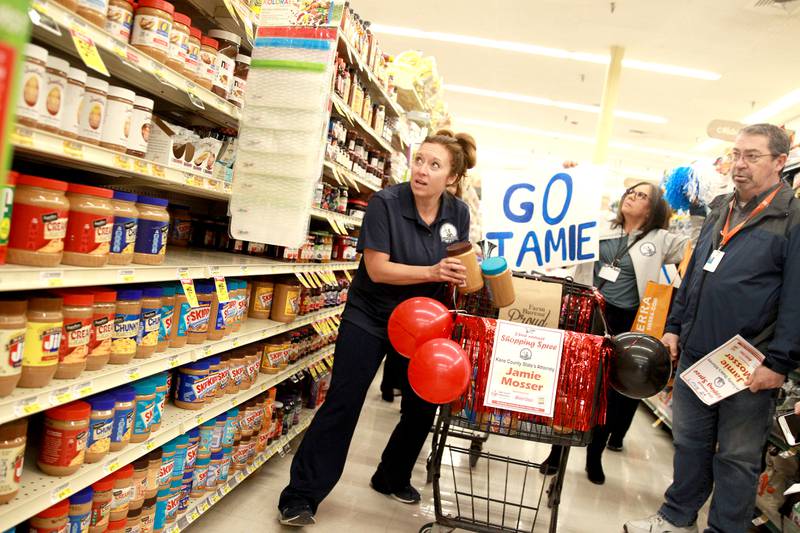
51	520
152	26
38	222
103	313
229	44
179	43
91	223
78	311
207	71
192	65
119	19
101	504
66	431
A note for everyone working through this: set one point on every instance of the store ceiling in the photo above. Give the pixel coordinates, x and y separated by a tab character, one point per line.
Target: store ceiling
753	49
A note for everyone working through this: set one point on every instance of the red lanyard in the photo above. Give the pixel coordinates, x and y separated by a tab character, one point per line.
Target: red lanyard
727	234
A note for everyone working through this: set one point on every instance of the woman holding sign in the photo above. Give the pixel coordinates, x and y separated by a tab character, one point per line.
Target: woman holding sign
633	248
404	239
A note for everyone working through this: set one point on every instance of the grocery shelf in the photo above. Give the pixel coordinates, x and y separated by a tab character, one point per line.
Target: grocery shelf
39	491
24	402
338	221
51	148
378	92
128	64
198	506
410	100
355	119
179	263
222	18
663	412
347	177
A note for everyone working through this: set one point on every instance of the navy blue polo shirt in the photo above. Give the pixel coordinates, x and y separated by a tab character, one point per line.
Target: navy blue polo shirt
393	226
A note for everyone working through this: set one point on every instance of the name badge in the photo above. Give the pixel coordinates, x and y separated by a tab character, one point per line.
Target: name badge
609	273
714	260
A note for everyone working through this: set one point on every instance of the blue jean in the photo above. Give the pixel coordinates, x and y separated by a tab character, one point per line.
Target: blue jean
717	448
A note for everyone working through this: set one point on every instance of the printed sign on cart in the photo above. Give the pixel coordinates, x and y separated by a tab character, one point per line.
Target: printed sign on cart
547	220
524	370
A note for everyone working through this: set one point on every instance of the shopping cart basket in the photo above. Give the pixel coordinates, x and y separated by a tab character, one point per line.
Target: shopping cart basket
508	498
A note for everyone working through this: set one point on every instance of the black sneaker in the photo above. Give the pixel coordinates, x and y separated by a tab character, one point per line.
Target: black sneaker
407	494
614	447
297	516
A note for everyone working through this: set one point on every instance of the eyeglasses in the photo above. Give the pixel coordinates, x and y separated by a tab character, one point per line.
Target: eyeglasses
750	158
639	195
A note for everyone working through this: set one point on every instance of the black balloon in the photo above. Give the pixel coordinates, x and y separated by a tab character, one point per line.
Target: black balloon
640	365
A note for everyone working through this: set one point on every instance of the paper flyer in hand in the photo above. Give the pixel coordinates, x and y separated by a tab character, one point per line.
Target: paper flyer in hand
723	372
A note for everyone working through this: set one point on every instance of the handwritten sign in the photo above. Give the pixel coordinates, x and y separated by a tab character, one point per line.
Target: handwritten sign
723	372
548	220
523	373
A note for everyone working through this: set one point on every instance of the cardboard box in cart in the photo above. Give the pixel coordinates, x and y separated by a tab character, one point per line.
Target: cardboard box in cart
180	149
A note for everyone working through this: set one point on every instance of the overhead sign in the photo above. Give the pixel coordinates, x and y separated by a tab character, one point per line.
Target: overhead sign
547	220
724	130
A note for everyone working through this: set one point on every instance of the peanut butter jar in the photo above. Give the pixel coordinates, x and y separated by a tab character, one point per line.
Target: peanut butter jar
498	278
464	252
13	322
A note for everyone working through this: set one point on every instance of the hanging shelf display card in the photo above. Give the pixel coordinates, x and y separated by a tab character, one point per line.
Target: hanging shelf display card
284	122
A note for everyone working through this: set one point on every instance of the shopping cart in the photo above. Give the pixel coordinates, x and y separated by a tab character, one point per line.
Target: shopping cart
470	491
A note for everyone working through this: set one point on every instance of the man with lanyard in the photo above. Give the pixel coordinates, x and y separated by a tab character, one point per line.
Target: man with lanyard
744	278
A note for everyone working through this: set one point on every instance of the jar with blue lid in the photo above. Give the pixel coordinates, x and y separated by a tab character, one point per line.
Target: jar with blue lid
193	385
498	277
123	236
181	445
152	231
122	427
80	510
145	409
101	425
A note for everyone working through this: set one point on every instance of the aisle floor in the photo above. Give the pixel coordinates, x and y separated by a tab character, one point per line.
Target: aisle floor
634	486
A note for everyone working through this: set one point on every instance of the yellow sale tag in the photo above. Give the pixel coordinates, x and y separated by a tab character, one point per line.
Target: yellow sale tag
316	328
320	367
30	407
141	167
332	277
158	171
22	136
313	372
85	389
73	149
204	507
336	320
188	290
222	289
317	282
88	51
127	275
347	275
122	162
302	279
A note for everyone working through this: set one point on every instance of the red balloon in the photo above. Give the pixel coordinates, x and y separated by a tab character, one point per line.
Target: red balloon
439	372
416	321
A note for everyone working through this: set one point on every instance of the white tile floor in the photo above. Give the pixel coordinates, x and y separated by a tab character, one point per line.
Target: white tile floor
635	482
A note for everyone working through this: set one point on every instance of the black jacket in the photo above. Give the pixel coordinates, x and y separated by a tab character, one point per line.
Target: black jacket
757	284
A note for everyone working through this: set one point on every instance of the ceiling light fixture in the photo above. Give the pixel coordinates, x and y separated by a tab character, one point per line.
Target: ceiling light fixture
766	113
536	100
573	137
558	53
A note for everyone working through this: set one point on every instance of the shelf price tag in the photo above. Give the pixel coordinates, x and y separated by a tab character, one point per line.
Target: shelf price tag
316	328
329	360
174	361
60	396
112	466
88	51
84	389
127	275
72	149
141	167
204	507
313	372
52	278
188	287
150	445
134	373
22	136
317	282
27	406
122	162
61	492
158	171
192	180
194	516
214	498
347	275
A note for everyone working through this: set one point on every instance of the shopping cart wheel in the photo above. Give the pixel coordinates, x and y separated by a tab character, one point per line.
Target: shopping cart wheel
475	450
